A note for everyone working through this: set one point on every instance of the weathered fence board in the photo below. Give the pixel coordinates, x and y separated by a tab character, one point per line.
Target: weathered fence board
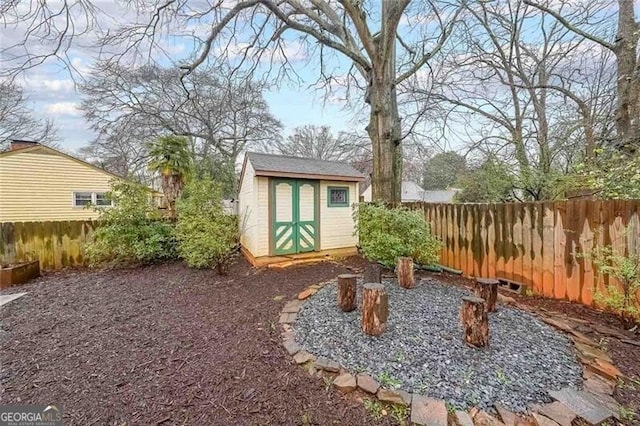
57	244
541	245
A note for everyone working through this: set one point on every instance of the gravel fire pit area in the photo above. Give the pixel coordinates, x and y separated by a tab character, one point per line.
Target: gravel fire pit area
422	350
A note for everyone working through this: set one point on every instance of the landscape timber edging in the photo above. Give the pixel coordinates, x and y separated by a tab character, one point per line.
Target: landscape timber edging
594	403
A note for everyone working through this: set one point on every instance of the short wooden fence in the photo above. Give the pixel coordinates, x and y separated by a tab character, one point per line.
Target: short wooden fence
57	244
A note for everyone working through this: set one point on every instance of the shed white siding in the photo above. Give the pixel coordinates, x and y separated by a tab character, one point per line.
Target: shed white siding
336	223
247	211
262	185
335	228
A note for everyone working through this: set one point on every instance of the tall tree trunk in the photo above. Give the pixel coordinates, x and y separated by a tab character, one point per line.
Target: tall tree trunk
384	119
384	131
172	189
628	114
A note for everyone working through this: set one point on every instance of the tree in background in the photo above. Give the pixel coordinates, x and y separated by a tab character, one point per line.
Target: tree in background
222	171
443	170
221	114
490	182
623	44
121	150
169	156
537	100
614	175
317	142
17	120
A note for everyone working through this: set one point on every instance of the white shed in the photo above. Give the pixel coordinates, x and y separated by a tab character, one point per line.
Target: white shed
292	207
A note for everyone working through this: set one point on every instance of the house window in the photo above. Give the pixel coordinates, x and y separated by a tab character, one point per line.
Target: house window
338	196
102	199
84	199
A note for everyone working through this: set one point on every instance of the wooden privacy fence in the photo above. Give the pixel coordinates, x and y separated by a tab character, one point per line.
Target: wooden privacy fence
56	244
536	244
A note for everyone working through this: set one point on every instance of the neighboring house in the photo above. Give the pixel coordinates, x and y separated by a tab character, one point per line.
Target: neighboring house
412	192
440	196
38	183
289	206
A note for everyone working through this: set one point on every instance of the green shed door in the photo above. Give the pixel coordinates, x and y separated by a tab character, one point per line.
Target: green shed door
294	226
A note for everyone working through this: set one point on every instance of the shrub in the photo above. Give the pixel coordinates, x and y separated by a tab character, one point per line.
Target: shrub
207	237
132	231
388	233
626	269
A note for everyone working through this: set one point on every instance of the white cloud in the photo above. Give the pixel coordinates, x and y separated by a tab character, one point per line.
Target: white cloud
63	108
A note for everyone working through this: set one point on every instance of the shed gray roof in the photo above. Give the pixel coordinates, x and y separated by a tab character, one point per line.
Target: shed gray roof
285	166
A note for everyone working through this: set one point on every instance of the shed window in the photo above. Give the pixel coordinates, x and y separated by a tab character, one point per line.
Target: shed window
338	196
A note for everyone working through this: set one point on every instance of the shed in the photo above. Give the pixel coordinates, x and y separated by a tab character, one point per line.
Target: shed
291	207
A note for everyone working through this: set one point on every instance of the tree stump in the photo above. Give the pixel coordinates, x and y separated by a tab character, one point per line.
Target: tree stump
475	321
372	273
347	292
404	272
375	309
487	289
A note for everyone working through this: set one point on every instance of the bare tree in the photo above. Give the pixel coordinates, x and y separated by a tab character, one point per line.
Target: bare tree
373	46
17	120
121	149
317	142
376	64
514	89
624	47
219	114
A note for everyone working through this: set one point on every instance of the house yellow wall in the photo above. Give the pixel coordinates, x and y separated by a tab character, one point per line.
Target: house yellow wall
336	223
39	186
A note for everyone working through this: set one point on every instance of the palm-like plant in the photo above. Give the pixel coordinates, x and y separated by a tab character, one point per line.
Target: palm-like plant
169	156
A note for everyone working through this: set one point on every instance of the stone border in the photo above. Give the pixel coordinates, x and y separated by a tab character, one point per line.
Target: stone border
593	405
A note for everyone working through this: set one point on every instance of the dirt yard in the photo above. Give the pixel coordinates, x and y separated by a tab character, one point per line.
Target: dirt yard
165	345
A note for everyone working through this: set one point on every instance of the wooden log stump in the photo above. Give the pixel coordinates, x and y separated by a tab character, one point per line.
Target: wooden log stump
404	272
475	322
487	289
375	309
347	292
372	273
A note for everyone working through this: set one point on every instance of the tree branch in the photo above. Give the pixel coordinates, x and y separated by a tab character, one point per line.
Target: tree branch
570	26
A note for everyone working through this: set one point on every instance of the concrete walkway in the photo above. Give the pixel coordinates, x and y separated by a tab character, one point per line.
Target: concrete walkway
6	298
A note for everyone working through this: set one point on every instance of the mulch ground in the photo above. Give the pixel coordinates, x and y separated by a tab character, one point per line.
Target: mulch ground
166	345
625	356
171	345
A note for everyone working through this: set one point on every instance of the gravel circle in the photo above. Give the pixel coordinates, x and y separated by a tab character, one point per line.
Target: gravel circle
422	349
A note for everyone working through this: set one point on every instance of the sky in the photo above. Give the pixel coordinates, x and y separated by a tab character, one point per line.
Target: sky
53	94
51	87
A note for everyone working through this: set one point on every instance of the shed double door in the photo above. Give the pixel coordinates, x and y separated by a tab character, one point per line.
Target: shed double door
294	216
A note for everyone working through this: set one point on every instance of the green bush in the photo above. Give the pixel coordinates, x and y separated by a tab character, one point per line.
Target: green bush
626	269
388	233
132	231
207	237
